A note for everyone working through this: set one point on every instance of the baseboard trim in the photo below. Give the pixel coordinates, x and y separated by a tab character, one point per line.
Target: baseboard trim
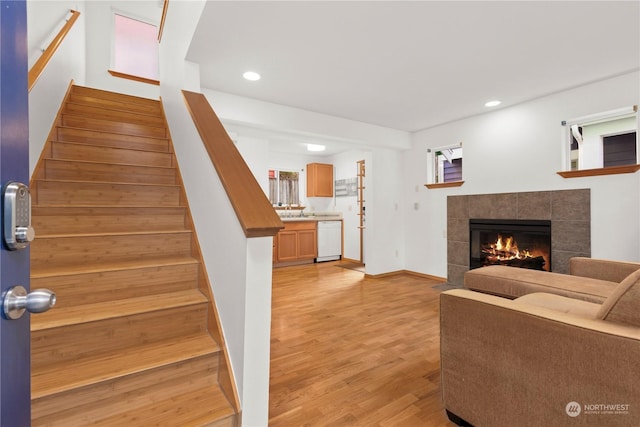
412	273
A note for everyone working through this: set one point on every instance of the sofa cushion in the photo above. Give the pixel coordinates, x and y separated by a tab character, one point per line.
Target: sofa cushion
560	304
511	282
623	305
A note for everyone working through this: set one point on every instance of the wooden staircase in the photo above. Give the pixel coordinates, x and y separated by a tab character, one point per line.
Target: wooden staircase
134	338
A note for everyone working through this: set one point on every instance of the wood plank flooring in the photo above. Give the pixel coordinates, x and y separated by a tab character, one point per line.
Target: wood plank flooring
353	351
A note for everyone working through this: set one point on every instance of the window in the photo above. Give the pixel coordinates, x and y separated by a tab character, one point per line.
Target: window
284	188
135	48
602	140
445	164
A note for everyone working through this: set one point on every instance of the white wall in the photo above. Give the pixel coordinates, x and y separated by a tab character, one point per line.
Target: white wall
44	19
99	21
385	207
520	149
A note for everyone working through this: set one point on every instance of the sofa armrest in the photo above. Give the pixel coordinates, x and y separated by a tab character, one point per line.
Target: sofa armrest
517	364
602	269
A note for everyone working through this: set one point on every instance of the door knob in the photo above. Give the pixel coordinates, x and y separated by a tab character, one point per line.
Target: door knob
17	300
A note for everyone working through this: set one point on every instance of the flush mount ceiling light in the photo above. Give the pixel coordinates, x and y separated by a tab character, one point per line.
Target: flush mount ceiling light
494	103
251	76
315	147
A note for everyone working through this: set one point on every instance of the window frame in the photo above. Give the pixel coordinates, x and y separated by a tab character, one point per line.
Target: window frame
112	63
433	167
279	202
606	116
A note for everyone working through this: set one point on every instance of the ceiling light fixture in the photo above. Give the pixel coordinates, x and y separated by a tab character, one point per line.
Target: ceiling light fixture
315	147
492	103
251	76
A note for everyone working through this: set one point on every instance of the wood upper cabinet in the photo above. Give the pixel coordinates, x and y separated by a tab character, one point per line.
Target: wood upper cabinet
319	180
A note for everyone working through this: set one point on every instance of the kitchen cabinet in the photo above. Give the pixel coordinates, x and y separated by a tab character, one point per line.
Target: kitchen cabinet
319	180
297	243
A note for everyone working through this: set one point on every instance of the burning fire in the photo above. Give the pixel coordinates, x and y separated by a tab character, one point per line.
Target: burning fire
507	250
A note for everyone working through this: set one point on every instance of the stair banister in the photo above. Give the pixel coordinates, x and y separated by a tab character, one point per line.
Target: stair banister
41	63
253	210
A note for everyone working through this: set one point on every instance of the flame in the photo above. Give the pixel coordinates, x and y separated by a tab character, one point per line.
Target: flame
506	250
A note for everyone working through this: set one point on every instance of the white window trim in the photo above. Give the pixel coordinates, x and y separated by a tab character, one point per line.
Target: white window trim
593	119
431	161
115	11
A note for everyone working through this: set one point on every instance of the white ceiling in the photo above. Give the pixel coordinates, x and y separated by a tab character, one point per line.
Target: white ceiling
412	65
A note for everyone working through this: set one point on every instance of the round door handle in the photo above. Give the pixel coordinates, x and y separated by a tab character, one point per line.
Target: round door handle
16	301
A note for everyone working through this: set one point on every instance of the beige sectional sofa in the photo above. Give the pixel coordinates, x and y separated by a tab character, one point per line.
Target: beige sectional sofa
543	349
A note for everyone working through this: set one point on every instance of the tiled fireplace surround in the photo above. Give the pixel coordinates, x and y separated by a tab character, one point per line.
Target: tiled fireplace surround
568	210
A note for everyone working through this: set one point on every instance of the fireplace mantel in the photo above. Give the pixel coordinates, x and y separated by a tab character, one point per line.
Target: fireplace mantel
568	210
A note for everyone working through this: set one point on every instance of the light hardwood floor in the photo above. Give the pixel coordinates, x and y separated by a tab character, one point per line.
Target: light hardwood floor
353	351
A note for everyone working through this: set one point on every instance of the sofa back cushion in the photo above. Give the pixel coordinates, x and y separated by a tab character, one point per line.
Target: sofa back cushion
623	305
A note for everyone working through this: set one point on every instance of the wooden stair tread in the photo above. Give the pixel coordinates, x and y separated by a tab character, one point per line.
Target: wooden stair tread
105	94
111	132
106	207
112	108
103	120
98	183
43	272
91	370
117	127
115	233
197	408
86	313
84	144
91	162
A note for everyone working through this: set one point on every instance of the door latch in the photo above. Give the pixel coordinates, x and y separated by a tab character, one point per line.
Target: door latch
18	231
17	300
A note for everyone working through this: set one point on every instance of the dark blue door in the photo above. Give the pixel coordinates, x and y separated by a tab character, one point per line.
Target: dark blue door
15	375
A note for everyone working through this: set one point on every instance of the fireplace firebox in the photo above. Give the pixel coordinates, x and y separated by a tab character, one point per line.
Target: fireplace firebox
514	243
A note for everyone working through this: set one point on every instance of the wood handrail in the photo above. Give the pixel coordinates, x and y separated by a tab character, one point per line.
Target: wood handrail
134	78
254	211
41	63
165	8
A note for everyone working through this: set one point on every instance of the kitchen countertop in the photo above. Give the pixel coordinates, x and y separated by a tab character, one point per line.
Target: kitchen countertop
310	218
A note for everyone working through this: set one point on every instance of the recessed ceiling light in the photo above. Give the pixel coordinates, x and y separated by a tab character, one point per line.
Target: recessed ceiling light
315	147
492	103
251	75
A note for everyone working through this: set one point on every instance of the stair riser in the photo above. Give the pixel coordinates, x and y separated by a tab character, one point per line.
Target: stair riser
111	96
115	127
63	151
122	106
79	407
98	194
66	220
72	251
107	172
68	343
113	115
114	140
91	288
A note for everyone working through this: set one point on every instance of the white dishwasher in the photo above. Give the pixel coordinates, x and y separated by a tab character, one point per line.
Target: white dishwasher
329	240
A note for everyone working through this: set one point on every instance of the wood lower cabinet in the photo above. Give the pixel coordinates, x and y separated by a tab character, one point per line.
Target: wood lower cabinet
297	243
